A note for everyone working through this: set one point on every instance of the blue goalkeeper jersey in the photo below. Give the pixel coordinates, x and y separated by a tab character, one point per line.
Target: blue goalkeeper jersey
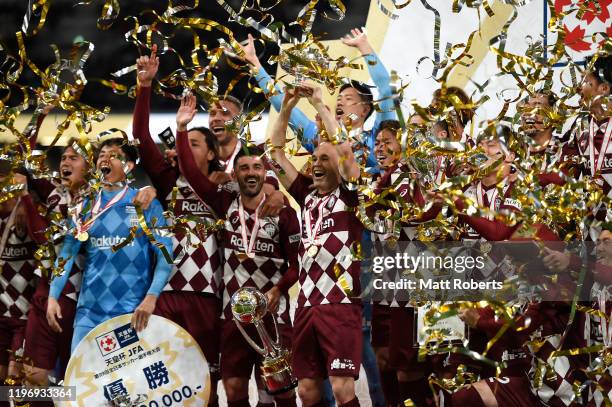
115	282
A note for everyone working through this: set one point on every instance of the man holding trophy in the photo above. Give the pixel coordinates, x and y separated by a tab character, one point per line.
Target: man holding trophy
259	252
327	334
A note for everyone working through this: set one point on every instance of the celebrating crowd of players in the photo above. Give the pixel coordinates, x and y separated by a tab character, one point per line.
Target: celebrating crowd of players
232	227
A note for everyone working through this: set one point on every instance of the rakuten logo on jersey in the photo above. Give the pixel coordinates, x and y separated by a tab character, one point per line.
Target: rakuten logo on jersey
14	252
259	245
193	207
107	242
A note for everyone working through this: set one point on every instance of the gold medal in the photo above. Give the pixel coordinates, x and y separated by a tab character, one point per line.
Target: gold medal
242	256
83	236
313	250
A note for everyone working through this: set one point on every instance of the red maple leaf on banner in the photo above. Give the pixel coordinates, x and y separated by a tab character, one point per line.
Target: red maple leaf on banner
593	11
559	4
575	39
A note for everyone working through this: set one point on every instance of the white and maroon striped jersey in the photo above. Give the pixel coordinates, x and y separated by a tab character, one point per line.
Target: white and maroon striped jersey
275	249
199	267
596	161
17	264
331	275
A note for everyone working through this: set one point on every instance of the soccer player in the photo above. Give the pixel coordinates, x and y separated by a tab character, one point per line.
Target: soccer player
600	332
593	134
327	327
394	319
259	251
17	278
114	283
353	103
556	159
192	296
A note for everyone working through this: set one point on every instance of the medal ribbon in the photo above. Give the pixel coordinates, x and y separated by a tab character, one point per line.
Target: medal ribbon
229	164
96	212
595	167
606	328
248	247
480	197
310	232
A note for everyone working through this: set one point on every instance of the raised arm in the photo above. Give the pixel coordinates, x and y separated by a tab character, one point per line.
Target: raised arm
278	139
378	73
162	174
161	273
297	119
202	186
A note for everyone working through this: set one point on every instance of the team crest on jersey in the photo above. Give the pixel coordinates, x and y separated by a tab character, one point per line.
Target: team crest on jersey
271	229
332	202
131	210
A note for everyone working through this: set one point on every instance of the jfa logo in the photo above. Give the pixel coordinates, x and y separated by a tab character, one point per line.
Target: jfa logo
116	339
107	343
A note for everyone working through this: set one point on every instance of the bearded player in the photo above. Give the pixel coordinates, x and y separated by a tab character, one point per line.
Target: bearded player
259	251
114	282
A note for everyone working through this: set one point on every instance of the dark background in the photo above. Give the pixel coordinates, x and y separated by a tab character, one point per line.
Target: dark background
67	21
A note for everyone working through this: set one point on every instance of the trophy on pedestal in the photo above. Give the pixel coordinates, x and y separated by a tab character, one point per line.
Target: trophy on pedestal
249	306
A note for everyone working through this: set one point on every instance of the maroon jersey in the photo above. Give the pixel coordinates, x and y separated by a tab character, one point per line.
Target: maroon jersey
273	247
199	265
331	275
406	192
594	144
58	202
17	265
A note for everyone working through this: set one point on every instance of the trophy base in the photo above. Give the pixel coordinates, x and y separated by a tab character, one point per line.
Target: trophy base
277	375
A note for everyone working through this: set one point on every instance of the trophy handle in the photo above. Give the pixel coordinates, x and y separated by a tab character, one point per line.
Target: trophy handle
247	338
272	346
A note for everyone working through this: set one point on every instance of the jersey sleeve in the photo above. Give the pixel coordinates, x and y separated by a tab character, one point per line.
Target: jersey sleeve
162	174
36	223
298	121
70	249
290	236
162	269
382	80
217	198
300	188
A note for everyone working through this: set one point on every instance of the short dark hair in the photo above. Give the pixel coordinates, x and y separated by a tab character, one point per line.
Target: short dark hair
231	99
443	124
391	125
602	68
129	150
364	91
213	145
246	152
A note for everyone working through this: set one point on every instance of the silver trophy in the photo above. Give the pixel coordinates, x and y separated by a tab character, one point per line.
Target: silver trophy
249	306
307	63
